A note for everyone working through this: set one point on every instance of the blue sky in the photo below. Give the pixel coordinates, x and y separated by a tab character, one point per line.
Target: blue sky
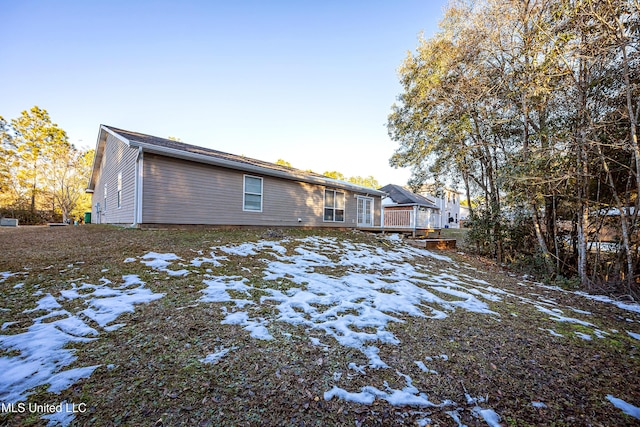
311	82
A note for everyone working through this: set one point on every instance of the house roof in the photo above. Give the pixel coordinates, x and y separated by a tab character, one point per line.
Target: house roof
181	150
402	196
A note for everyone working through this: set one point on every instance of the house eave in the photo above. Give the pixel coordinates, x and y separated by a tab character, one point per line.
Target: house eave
400	205
97	159
201	158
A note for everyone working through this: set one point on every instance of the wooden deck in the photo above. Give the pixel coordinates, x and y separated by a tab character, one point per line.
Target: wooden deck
433	243
428	238
425	232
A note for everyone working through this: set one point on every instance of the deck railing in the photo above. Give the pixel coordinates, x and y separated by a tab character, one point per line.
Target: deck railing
398	219
407	219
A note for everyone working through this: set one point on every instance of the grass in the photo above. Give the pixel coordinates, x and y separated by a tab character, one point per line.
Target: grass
454	233
150	372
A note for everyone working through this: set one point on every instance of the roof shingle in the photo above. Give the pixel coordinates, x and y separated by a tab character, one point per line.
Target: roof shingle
181	146
402	196
179	149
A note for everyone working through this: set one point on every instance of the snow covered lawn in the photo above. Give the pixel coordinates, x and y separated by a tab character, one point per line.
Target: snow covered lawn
290	327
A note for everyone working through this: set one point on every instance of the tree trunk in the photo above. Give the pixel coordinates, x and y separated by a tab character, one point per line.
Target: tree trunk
546	255
583	210
633	124
624	220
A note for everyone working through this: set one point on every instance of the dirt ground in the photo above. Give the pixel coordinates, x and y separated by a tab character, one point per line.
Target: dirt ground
533	368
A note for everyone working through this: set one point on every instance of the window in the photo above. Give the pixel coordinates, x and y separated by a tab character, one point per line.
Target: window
252	193
104	205
333	206
119	194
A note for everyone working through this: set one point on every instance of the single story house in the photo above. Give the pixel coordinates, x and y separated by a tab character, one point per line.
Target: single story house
404	210
144	181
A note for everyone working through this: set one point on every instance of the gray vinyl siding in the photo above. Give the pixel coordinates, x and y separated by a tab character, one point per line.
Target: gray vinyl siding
182	192
117	158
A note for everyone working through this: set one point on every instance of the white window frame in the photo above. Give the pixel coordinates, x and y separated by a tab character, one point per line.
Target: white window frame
119	193
245	193
334	207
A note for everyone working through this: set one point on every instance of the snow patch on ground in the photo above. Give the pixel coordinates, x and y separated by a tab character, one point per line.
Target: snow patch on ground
633	307
216	290
111	303
160	262
627	408
409	395
4	275
552	332
316	341
488	415
48	302
220	352
634	335
371	289
257	327
424	368
354	307
62	418
42	354
584	336
557	315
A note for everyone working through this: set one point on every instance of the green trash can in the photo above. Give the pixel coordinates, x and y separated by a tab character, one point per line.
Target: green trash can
87	217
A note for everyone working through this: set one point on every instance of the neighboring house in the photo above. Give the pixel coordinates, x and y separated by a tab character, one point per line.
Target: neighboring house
404	210
605	226
142	180
464	215
449	205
